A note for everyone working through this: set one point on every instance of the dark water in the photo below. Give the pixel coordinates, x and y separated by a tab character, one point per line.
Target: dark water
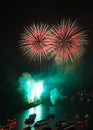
60	109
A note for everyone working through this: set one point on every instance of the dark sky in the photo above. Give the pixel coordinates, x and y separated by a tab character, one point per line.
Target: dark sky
15	16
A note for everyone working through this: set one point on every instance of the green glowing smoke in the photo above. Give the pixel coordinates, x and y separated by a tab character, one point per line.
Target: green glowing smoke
55	95
30	88
50	84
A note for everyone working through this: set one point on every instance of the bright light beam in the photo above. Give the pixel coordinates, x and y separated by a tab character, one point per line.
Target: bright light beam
39	84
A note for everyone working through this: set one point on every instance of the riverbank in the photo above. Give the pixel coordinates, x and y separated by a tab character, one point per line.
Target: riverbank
8	109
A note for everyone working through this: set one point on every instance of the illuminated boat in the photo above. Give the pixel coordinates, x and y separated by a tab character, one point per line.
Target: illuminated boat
30	119
32	116
51	117
27	128
41	123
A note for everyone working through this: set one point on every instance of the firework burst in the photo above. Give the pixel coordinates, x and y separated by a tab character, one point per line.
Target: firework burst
69	41
36	42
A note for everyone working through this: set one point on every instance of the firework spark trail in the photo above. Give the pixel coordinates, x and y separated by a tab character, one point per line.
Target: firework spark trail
69	41
36	42
65	42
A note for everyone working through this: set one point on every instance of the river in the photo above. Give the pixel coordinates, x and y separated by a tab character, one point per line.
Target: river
59	109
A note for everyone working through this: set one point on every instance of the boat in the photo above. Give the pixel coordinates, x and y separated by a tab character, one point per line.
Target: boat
41	123
51	117
32	116
30	119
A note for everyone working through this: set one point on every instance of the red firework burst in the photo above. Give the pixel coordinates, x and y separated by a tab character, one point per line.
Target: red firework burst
69	41
35	42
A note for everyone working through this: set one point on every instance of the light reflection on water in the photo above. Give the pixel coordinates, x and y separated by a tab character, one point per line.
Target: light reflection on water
42	110
38	110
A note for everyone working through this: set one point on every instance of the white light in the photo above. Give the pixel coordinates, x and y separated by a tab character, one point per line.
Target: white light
38	89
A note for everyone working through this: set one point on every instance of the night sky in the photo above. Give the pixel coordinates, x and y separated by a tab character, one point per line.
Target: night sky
14	17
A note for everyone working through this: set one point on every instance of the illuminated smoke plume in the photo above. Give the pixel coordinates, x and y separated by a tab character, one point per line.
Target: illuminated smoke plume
55	95
31	89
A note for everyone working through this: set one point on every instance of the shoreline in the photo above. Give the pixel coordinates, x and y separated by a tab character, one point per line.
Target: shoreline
15	109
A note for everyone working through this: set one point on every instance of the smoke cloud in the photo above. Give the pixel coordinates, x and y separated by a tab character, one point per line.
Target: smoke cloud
55	95
56	81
